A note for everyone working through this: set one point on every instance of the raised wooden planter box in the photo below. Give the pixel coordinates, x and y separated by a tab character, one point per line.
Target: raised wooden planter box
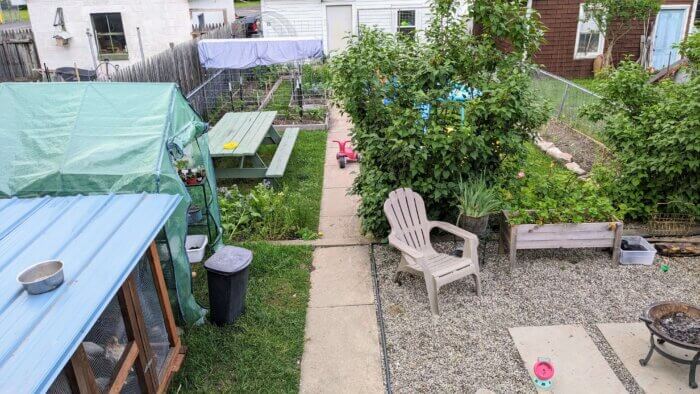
560	236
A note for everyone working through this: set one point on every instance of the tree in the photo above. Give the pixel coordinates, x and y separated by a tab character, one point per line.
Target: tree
410	127
615	18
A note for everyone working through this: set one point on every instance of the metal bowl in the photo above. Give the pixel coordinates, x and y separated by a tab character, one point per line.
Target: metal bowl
653	314
42	277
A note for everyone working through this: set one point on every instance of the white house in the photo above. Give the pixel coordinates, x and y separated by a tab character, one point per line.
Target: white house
331	20
211	11
87	32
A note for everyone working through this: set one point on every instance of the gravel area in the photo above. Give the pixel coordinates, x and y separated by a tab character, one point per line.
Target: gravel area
468	346
585	151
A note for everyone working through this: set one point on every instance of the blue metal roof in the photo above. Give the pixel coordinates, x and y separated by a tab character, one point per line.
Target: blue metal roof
100	239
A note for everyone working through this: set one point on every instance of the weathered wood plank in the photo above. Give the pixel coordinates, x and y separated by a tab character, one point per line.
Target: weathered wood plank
565	227
564	235
565	244
279	161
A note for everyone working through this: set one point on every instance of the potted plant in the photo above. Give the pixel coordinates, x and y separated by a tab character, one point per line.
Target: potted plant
476	201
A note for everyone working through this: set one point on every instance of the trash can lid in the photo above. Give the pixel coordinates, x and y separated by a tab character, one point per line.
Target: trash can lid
229	260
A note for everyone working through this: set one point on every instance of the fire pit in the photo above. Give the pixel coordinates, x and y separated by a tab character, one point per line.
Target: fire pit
678	324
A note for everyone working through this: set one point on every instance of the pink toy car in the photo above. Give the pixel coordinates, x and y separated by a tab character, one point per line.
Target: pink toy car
345	153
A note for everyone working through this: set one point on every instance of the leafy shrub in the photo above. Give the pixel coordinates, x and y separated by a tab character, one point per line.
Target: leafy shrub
388	84
262	214
690	48
654	131
546	193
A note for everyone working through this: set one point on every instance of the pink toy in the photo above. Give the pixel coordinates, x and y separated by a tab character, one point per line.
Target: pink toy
345	153
544	372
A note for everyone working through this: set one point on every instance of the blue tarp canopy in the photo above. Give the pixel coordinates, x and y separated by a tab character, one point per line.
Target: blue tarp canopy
99	239
242	53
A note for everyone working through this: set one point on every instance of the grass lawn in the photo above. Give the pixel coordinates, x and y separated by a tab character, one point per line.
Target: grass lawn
303	178
247	4
262	351
9	16
588	83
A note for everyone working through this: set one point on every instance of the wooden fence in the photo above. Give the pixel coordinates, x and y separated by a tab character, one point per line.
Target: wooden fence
18	56
179	64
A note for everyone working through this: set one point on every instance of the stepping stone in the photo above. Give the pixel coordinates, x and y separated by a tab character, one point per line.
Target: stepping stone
575	168
559	155
544	145
630	341
578	365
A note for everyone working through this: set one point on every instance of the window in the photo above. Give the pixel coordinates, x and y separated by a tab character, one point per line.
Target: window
407	22
589	40
109	34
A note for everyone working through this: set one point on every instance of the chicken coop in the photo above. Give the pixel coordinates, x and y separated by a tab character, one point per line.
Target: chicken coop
108	326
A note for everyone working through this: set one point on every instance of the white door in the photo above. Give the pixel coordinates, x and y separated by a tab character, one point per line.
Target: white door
668	32
338	26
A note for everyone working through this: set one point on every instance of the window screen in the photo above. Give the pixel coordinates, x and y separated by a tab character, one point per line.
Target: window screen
110	37
589	41
406	22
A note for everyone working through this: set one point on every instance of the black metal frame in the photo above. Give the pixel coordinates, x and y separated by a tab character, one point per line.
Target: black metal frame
206	222
692	362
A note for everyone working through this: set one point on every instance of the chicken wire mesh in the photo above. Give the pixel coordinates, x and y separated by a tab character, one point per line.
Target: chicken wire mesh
106	341
152	314
298	92
567	99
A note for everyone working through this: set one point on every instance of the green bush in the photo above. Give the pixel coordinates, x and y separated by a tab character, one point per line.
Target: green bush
654	132
690	48
382	81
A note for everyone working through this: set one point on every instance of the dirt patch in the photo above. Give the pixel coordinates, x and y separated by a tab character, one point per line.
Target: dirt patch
585	151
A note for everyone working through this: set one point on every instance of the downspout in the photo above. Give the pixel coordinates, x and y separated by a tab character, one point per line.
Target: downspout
693	12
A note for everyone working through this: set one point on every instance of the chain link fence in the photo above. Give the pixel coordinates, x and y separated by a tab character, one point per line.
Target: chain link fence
567	99
298	92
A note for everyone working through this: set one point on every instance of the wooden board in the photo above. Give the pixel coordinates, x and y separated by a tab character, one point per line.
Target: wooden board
560	235
248	129
284	150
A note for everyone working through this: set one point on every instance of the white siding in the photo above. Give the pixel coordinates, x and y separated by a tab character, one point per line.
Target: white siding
307	17
161	22
292	18
215	11
379	18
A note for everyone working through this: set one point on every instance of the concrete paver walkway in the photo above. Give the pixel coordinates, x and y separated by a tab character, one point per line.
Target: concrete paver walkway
341	353
630	341
579	366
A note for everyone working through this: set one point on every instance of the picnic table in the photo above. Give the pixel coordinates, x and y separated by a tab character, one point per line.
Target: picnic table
239	135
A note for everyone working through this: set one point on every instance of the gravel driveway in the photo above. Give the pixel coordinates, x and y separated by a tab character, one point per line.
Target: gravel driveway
468	347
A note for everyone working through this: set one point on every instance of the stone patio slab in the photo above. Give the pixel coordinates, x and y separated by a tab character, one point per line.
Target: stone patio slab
337	202
630	341
340	227
579	367
335	177
341	354
341	276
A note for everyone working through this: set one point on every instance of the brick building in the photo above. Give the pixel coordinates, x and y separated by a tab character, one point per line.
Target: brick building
572	43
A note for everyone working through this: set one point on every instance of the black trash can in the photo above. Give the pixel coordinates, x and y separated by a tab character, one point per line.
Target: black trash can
227	276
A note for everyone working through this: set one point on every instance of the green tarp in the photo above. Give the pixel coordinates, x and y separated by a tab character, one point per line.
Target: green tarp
97	138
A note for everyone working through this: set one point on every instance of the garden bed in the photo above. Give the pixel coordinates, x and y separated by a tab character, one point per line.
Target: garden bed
292	209
559	236
585	150
468	346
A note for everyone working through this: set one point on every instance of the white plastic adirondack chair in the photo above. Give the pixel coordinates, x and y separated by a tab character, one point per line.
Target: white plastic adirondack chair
410	234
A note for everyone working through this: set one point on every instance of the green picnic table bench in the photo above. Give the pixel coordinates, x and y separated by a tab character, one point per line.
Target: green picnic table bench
246	131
